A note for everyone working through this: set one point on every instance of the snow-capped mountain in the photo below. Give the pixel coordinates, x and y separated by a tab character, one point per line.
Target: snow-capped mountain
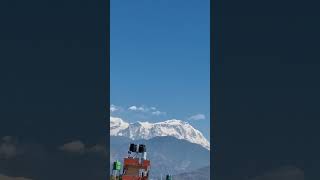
146	130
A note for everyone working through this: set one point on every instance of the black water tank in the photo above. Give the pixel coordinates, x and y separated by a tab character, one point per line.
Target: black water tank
133	148
142	148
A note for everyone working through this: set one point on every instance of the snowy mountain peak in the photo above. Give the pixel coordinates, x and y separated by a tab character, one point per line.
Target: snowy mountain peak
174	121
117	125
146	130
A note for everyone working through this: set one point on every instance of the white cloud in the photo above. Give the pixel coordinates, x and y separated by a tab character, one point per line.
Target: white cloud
3	177
138	112
135	108
113	108
158	113
197	117
144	109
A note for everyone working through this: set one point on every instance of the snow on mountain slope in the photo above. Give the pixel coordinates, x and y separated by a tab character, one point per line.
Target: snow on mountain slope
117	126
145	130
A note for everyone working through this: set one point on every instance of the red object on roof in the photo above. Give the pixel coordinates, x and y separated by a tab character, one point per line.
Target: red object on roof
135	170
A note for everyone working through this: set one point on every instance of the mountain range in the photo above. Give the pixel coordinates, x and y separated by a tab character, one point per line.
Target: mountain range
173	146
146	130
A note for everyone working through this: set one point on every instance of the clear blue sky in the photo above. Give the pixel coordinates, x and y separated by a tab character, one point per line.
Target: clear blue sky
160	57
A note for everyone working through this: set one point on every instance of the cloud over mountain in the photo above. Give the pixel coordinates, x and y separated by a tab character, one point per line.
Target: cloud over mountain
145	109
135	108
113	108
158	113
197	117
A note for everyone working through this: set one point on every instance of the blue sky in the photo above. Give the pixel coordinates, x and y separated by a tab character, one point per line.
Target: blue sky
160	57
